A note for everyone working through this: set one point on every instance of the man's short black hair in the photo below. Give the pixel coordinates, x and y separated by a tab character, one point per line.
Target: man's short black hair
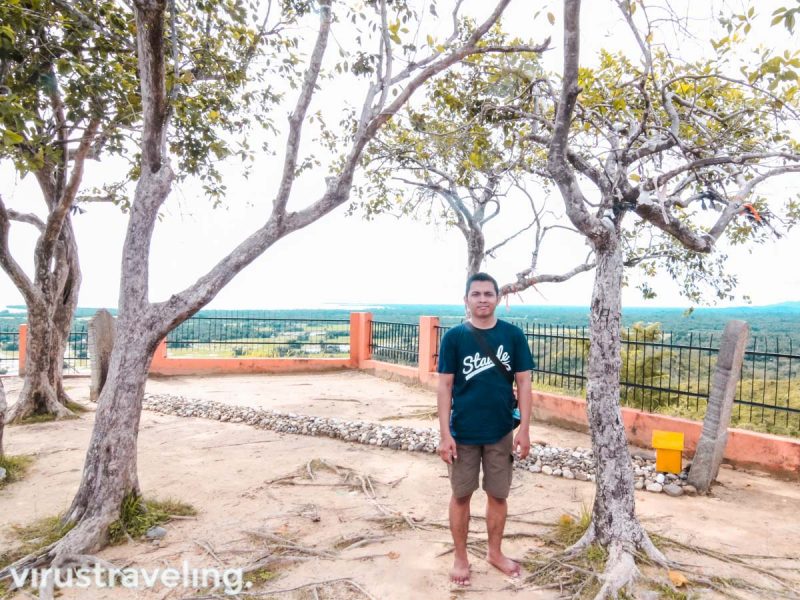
482	277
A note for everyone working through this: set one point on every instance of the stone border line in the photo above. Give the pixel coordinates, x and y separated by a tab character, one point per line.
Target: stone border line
568	463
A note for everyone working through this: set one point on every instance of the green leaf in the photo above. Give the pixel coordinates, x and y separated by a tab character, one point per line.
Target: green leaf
11	138
7	32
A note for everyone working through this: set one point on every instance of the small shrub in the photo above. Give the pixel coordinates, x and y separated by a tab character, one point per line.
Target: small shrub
15	467
137	515
569	530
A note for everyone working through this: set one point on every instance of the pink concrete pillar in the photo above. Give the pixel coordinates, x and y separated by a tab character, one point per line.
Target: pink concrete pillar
22	343
427	345
159	356
360	335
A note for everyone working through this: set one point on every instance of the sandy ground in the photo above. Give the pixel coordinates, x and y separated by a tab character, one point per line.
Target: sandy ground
224	470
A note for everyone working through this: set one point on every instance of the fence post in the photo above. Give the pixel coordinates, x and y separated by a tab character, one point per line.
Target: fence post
427	345
711	446
22	345
360	334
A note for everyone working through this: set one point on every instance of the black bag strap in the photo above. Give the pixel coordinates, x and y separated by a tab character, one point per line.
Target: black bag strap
478	335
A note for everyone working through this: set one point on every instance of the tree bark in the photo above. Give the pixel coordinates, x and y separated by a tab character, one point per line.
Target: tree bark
65	305
614	523
109	473
475	251
49	324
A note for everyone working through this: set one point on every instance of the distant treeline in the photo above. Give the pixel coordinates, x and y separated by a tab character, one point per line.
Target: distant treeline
777	322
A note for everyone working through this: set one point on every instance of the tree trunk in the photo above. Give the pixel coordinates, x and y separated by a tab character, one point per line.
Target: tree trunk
475	251
49	324
64	310
39	393
614	524
2	414
110	469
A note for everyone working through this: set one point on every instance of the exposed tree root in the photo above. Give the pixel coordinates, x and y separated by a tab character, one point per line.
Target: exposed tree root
620	572
586	540
783	582
585	570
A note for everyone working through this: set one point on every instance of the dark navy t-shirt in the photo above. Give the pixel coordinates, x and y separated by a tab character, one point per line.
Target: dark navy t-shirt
482	396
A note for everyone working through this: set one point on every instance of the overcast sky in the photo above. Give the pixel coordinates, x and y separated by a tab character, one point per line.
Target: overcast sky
346	260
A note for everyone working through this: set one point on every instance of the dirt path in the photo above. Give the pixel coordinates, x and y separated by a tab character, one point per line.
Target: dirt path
223	469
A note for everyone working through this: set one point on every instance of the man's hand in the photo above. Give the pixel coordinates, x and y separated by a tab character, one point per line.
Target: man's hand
447	449
522	441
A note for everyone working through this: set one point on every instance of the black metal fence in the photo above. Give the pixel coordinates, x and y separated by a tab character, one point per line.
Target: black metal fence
440	331
245	337
395	342
9	348
76	357
661	372
665	373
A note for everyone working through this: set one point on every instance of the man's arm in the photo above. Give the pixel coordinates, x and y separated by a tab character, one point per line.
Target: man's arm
444	399
523	437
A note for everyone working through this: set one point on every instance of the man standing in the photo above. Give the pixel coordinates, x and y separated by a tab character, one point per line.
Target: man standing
475	401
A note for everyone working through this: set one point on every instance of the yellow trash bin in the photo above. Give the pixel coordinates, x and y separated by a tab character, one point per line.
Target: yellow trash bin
669	448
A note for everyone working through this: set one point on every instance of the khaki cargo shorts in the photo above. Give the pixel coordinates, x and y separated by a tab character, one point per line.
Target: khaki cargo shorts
497	460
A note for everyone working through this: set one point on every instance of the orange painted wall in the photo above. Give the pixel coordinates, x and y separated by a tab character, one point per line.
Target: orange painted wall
161	365
22	342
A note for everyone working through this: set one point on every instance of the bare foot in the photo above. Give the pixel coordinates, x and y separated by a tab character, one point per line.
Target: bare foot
504	564
460	572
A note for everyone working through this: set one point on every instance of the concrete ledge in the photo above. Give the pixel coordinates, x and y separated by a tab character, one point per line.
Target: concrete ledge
390	371
219	366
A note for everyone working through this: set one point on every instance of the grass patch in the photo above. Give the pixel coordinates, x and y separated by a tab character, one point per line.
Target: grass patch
569	530
34	419
33	537
260	576
15	466
667	592
137	515
76	407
